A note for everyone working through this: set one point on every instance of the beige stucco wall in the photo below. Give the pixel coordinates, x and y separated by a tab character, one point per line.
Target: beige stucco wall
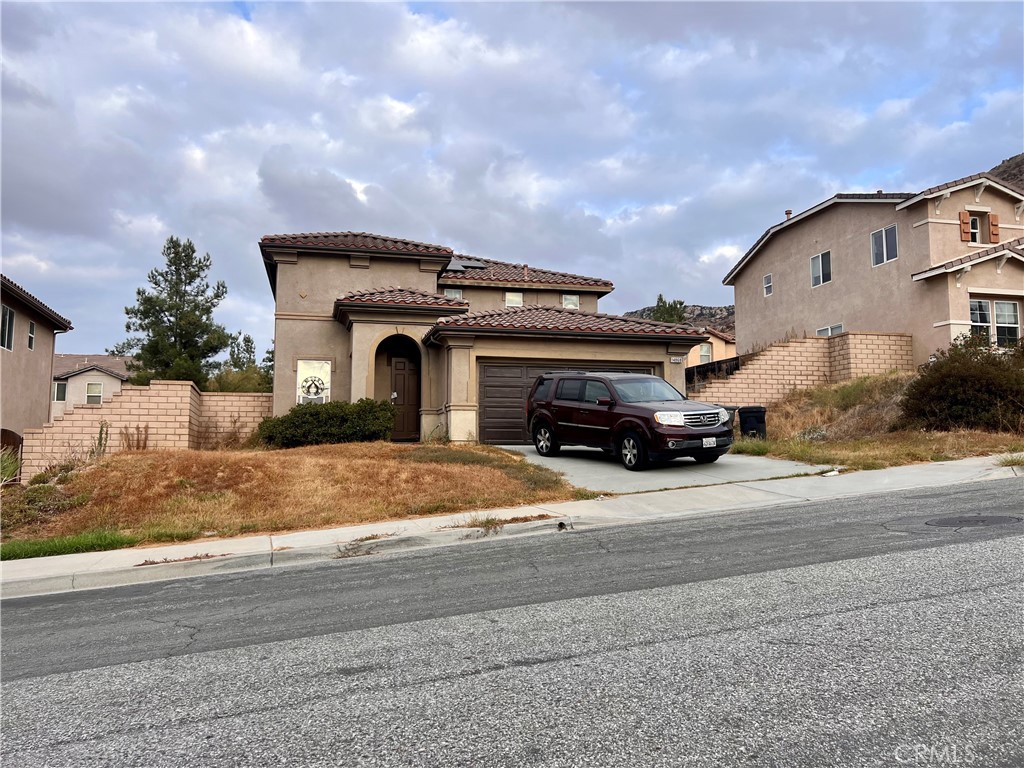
862	297
26	373
720	350
489	298
460	357
941	229
78	389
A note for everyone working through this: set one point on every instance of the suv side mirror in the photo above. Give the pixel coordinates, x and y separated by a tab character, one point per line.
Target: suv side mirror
605	401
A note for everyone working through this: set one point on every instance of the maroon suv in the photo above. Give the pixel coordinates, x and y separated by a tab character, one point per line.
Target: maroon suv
639	418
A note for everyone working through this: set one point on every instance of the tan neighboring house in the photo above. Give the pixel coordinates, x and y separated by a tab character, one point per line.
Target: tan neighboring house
932	264
719	346
27	334
85	380
454	341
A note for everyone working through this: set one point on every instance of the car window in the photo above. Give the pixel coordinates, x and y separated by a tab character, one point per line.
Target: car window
543	391
646	391
594	390
569	389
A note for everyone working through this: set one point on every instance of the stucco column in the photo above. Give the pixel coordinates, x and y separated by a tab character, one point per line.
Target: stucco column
675	364
361	361
461	396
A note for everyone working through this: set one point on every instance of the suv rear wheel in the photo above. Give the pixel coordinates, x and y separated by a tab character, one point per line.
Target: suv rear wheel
632	452
544	440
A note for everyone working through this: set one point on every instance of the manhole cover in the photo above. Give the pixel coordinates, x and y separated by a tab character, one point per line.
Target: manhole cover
973	521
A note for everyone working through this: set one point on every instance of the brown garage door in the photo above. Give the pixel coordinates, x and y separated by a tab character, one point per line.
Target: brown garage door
503	391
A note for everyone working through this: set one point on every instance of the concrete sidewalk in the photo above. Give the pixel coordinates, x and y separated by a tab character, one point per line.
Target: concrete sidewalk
35	576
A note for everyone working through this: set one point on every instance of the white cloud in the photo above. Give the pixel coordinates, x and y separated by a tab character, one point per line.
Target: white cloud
726	255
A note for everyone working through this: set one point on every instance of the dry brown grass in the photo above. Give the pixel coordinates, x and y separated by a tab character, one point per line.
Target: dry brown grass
856	425
179	495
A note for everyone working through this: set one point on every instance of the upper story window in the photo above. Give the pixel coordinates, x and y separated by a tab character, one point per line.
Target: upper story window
705	353
7	329
31	335
453	293
513	298
821	268
60	391
883	245
571	300
767	282
94	393
979	227
830	330
1003	325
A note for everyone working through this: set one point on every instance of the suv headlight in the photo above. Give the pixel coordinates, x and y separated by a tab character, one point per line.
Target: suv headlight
672	418
723	416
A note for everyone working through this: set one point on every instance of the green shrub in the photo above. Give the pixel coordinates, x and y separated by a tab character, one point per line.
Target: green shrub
969	386
10	464
336	422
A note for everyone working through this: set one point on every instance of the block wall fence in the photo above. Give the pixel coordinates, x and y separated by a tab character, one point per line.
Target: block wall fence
810	362
176	413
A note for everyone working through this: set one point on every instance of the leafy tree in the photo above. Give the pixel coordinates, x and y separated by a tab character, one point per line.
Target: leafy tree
178	337
669	311
240	373
267	366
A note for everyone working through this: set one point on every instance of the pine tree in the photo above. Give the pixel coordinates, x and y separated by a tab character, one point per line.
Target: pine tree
669	311
178	337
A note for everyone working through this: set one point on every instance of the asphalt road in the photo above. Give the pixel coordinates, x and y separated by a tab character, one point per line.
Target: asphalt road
847	633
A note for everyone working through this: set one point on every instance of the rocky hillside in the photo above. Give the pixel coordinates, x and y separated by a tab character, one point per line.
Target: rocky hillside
1011	170
720	318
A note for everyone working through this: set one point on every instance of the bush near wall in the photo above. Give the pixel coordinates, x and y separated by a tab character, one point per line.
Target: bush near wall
335	422
969	386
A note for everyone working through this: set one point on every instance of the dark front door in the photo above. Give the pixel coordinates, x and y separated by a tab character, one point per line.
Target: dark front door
405	394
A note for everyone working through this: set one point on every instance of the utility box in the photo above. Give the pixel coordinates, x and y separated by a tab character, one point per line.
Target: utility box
752	421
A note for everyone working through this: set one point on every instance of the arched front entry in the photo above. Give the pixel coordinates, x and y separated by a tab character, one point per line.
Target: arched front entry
397	379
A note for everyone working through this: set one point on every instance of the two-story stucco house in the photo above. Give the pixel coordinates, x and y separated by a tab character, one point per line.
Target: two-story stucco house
27	334
932	264
455	342
85	380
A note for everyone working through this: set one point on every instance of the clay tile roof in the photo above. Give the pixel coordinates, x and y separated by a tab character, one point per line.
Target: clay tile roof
356	241
406	297
1013	248
541	319
504	272
68	365
59	322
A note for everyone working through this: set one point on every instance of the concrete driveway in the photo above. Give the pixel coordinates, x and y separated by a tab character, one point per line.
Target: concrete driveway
595	470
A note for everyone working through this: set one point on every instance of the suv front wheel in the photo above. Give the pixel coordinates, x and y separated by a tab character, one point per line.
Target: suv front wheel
632	452
544	440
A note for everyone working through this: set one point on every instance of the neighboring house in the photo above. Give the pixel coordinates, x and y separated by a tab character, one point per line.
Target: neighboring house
719	346
455	342
932	264
27	334
85	380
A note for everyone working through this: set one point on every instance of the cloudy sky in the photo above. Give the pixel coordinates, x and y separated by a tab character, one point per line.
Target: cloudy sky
645	143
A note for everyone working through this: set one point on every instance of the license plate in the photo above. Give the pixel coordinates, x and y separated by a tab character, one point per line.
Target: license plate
710	442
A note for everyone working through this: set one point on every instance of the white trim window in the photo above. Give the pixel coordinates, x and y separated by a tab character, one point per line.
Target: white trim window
7	329
821	268
706	353
1003	325
570	300
830	330
453	293
60	391
31	335
766	282
975	229
513	298
883	246
94	393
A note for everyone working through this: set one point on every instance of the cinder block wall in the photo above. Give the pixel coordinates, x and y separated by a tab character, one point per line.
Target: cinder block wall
810	362
177	414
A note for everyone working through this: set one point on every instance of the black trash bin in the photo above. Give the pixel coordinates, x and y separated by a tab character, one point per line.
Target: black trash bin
752	422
